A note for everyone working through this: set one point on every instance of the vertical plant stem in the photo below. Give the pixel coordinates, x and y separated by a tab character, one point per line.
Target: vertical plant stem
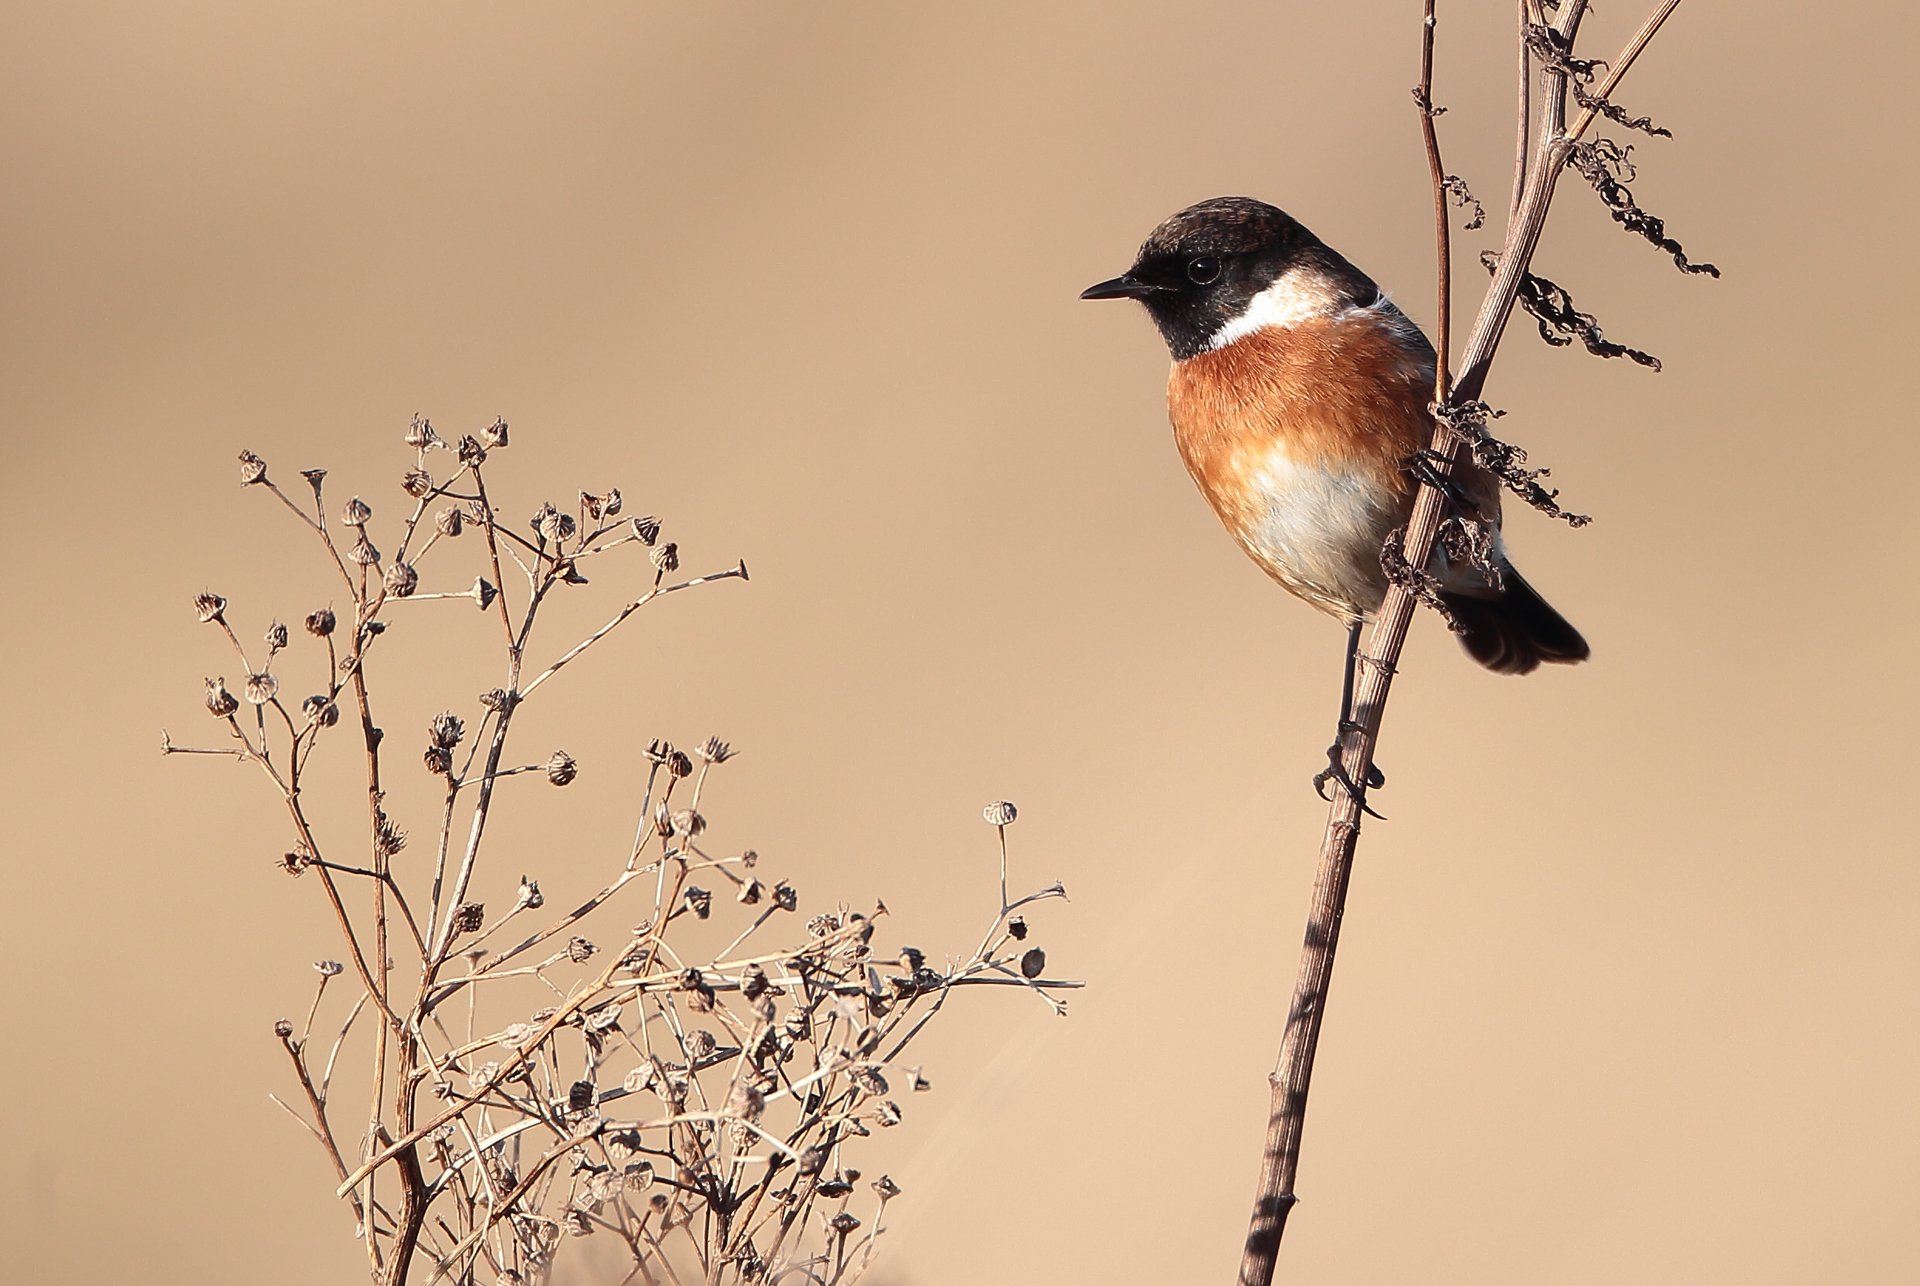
1293	1069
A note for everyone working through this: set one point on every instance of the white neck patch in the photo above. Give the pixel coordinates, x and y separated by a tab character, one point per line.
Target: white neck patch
1296	295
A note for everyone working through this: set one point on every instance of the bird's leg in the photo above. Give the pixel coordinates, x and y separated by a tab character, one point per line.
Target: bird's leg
1336	771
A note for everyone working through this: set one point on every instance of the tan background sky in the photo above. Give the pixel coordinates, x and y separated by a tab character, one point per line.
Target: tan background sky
1628	986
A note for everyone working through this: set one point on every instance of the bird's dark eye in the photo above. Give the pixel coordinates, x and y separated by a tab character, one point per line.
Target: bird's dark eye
1203	271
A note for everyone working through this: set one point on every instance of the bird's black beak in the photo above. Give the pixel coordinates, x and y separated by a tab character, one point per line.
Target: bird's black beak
1125	286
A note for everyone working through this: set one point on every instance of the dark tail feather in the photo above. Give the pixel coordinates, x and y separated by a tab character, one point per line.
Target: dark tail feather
1514	631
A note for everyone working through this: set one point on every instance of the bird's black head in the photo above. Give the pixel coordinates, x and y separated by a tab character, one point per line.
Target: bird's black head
1228	266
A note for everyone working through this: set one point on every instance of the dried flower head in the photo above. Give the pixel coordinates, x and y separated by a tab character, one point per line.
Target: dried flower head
1000	813
647	529
699	901
667	558
401	580
679	765
438	760
445	730
320	623
843	1223
689	823
658	751
468	917
220	701
579	950
599	507
420	435
320	711
580	1096
785	896
750	892
471	453
886	1187
363	551
276	636
328	968
561	768
283	1028
295	862
261	688
483	592
416	483
529	898
449	521
494	699
357	513
715	751
209	606
252	469
495	434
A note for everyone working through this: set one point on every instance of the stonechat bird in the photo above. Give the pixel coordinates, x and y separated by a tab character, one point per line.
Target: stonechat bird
1299	399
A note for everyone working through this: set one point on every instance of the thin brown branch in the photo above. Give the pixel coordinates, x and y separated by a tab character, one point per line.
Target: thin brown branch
1292	1073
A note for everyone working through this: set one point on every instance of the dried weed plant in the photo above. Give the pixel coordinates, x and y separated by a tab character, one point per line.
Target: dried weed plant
1549	140
702	1108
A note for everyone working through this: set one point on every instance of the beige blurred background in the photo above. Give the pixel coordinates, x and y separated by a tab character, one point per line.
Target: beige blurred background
1628	983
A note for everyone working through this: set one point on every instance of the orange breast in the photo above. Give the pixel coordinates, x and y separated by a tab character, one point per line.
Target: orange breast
1299	436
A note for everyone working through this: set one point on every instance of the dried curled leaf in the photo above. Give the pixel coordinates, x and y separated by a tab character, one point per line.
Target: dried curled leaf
1608	169
1551	305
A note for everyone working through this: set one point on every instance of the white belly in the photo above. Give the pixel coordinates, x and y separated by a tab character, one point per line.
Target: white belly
1318	531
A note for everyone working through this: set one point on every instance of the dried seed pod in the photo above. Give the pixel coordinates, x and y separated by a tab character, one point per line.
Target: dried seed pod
449	521
646	530
320	710
420	435
252	469
887	1114
545	521
357	513
714	751
438	760
580	1096
529	898
401	580
471	453
320	623
416	482
916	1082
603	1018
700	1043
834	1186
746	1102
282	1028
1017	929
785	896
483	592
679	765
886	1187
699	901
667	558
750	892
689	823
798	1024
494	699
295	862
580	950
658	751
1000	813
495	434
363	551
329	968
276	636
220	701
753	982
1033	963
445	730
870	1081
561	768
209	606
912	958
469	916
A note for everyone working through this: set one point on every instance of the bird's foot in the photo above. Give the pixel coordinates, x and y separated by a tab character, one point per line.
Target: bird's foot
1432	468
1336	772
